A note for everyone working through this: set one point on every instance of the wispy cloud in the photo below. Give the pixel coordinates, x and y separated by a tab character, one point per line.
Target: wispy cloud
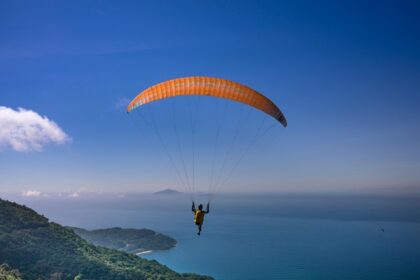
25	130
74	195
78	193
32	193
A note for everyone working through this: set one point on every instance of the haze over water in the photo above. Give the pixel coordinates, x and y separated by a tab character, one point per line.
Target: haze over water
264	236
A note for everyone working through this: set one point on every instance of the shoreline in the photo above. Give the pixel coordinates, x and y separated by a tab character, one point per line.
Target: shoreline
144	252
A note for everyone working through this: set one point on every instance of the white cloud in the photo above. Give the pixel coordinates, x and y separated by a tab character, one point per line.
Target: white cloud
74	195
77	193
32	193
25	130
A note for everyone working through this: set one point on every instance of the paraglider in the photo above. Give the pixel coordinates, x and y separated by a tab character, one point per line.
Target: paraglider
214	87
186	151
199	215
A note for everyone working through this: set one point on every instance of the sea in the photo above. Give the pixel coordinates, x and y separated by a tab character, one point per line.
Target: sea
262	236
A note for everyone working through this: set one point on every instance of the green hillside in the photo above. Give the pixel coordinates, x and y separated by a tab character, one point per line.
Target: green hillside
127	240
40	249
6	273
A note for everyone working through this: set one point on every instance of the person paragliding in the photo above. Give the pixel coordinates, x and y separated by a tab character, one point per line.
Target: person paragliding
205	87
199	215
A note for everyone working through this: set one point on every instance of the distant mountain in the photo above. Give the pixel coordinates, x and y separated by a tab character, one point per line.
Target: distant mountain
43	250
127	240
168	192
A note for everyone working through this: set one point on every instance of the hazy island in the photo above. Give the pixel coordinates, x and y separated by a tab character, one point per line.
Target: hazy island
168	192
34	248
128	240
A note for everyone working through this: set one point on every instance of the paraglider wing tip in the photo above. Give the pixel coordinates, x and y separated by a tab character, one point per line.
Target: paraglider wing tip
282	120
284	123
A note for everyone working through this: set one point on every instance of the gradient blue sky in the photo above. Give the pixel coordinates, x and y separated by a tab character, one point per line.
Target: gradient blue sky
345	73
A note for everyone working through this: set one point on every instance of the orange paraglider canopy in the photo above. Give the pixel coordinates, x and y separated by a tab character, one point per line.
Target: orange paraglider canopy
208	86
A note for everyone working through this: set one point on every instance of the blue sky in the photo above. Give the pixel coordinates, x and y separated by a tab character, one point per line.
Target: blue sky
345	74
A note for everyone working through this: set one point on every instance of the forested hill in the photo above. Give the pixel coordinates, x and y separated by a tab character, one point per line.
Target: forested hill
6	273
40	249
127	240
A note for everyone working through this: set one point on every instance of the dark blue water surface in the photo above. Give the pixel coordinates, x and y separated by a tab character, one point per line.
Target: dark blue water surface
265	236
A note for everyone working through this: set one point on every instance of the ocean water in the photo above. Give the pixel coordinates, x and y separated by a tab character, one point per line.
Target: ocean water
256	236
